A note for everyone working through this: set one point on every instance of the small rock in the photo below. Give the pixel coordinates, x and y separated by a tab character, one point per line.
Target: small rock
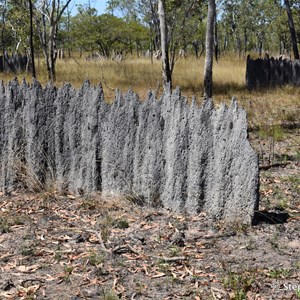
294	244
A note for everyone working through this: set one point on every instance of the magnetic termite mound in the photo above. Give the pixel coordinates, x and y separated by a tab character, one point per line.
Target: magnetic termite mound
187	157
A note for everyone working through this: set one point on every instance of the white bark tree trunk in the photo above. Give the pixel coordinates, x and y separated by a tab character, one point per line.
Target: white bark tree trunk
51	13
166	72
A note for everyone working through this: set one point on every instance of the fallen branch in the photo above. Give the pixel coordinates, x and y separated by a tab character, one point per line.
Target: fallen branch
99	239
267	167
171	259
125	249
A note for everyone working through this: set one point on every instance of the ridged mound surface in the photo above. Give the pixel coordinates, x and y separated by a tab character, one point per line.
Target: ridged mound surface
185	157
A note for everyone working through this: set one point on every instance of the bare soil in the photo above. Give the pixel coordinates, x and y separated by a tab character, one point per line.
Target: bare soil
103	247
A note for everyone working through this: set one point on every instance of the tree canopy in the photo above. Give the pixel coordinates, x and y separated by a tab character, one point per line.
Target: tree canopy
133	26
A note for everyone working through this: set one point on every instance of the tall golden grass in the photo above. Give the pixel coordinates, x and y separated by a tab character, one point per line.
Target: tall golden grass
140	74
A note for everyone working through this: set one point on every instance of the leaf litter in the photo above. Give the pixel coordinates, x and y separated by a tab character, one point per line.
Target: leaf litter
95	246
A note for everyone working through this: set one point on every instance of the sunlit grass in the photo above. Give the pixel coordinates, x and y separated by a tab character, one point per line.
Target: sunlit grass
140	74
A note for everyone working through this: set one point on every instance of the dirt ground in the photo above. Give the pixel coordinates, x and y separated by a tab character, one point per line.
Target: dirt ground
96	247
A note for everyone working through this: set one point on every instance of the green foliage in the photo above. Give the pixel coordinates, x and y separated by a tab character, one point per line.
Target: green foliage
275	132
89	203
7	222
270	134
28	251
279	273
255	25
243	26
4	225
184	19
95	259
121	223
110	295
104	33
238	283
67	273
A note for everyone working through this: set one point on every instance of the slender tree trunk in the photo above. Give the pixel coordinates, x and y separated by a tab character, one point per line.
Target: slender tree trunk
139	50
53	50
209	51
216	42
292	29
196	48
238	45
52	12
202	48
3	33
155	25
166	71
245	41
31	40
225	45
52	34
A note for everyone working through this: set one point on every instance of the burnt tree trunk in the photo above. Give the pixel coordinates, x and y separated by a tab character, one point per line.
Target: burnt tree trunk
292	29
31	40
3	34
209	45
216	42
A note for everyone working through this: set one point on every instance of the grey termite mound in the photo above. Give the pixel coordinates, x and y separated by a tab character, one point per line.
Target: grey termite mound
189	158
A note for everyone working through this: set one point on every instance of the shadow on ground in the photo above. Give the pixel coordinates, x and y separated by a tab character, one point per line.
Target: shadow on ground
269	217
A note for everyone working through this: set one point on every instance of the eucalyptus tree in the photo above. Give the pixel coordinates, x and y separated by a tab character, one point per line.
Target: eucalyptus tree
105	33
173	24
31	39
141	11
292	29
82	32
166	71
252	25
3	10
183	18
48	14
209	46
18	29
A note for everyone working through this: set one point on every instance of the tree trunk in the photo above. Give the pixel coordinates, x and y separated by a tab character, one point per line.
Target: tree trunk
216	42
166	71
225	43
31	40
51	12
3	33
52	38
292	29
245	41
154	24
196	48
209	51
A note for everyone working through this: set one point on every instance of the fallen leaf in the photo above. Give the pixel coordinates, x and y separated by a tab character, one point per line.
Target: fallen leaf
147	227
28	269
28	290
158	275
170	225
268	192
145	269
8	295
52	278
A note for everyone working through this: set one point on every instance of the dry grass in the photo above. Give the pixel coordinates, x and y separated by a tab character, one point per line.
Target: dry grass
274	105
